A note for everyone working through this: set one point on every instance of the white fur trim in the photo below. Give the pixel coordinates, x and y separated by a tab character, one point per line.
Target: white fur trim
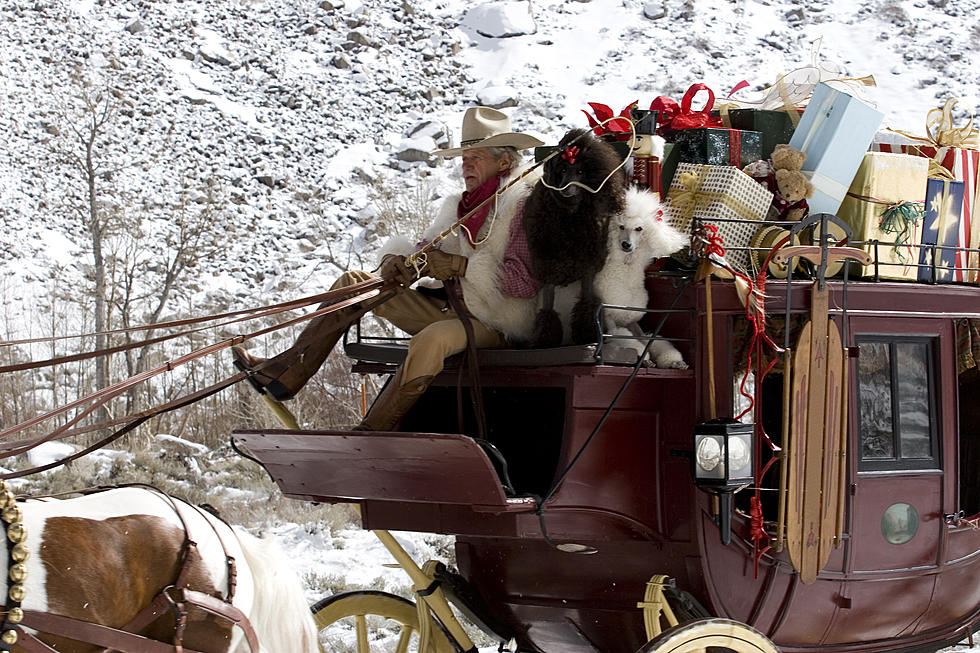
512	316
657	146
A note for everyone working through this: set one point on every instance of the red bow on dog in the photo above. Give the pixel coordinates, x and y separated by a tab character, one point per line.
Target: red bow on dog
570	153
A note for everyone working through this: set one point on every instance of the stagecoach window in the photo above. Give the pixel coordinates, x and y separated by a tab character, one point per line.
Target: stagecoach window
896	403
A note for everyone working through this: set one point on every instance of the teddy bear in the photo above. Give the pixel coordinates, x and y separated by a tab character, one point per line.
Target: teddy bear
782	175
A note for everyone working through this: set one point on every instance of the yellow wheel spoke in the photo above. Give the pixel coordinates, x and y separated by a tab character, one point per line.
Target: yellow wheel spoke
381	619
362	634
404	640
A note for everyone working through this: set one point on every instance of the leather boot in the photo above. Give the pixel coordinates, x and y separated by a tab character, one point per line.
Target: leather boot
284	375
394	401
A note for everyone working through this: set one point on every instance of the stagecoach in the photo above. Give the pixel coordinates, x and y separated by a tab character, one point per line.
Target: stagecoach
809	483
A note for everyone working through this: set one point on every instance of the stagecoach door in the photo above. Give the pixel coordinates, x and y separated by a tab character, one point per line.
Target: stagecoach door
902	448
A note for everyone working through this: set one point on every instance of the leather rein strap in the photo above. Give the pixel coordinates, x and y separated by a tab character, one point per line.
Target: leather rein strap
454	292
173	598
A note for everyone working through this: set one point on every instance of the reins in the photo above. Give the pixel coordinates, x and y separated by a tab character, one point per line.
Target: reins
344	297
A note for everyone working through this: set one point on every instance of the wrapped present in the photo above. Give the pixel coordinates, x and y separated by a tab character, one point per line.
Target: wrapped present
775	126
668	165
716	146
941	228
834	133
885	204
955	150
716	195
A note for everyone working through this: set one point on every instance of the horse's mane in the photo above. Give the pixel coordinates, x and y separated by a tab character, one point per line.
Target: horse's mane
281	618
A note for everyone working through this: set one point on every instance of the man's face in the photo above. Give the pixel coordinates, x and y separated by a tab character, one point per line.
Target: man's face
479	165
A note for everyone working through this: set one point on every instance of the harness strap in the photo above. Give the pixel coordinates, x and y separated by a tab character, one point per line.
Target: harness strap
225	610
84	631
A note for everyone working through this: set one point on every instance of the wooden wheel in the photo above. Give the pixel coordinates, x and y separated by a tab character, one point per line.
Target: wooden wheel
373	622
710	636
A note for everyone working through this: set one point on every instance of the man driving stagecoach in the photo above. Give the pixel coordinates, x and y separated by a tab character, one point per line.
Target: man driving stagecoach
487	253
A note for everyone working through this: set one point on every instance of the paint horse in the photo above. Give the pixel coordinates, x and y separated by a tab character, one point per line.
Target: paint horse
134	570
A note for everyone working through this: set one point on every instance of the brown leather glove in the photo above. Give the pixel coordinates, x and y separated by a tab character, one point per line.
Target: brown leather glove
393	267
441	266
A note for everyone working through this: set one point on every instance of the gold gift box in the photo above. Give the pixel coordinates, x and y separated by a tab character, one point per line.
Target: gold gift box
885	203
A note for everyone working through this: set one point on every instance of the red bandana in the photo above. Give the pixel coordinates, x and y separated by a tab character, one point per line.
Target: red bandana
473	199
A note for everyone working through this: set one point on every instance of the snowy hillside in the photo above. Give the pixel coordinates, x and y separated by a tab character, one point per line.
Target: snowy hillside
288	119
282	130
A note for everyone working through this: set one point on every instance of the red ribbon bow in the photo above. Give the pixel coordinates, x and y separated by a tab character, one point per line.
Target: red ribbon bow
674	116
570	153
620	128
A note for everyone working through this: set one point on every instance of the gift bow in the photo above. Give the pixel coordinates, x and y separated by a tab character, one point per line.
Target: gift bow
674	116
607	122
900	219
945	134
687	199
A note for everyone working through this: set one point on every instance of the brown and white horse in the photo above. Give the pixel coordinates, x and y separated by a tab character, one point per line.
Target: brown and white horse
102	558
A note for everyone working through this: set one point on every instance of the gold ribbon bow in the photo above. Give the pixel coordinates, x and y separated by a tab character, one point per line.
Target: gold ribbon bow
692	197
937	171
946	135
687	199
940	131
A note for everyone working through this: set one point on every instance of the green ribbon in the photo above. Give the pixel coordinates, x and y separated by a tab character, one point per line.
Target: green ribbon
900	219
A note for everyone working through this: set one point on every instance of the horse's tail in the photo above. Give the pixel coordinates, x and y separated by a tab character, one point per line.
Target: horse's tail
280	616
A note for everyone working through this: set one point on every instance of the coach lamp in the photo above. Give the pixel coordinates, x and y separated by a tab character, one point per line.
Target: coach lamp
724	462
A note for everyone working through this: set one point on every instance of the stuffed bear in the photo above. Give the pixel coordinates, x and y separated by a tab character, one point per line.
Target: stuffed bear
782	176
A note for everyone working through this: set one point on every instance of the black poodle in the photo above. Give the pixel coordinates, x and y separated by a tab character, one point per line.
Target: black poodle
567	229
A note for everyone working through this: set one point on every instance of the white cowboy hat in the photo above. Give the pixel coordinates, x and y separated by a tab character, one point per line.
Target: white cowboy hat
486	127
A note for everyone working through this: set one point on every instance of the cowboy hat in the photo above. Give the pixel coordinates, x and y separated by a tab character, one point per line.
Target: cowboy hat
486	127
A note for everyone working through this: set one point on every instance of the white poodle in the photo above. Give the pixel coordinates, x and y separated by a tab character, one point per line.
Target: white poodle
637	236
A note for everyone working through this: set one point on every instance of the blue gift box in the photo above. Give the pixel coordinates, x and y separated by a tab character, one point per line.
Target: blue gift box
834	133
944	210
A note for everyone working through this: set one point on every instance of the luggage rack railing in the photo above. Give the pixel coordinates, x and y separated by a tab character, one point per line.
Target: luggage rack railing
941	263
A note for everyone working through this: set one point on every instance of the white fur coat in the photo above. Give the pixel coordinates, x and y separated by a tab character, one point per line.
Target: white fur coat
512	316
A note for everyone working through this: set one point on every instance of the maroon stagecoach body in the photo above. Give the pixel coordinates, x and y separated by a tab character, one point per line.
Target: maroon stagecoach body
626	492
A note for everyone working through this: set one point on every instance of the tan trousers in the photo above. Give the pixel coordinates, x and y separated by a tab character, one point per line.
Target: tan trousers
436	330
